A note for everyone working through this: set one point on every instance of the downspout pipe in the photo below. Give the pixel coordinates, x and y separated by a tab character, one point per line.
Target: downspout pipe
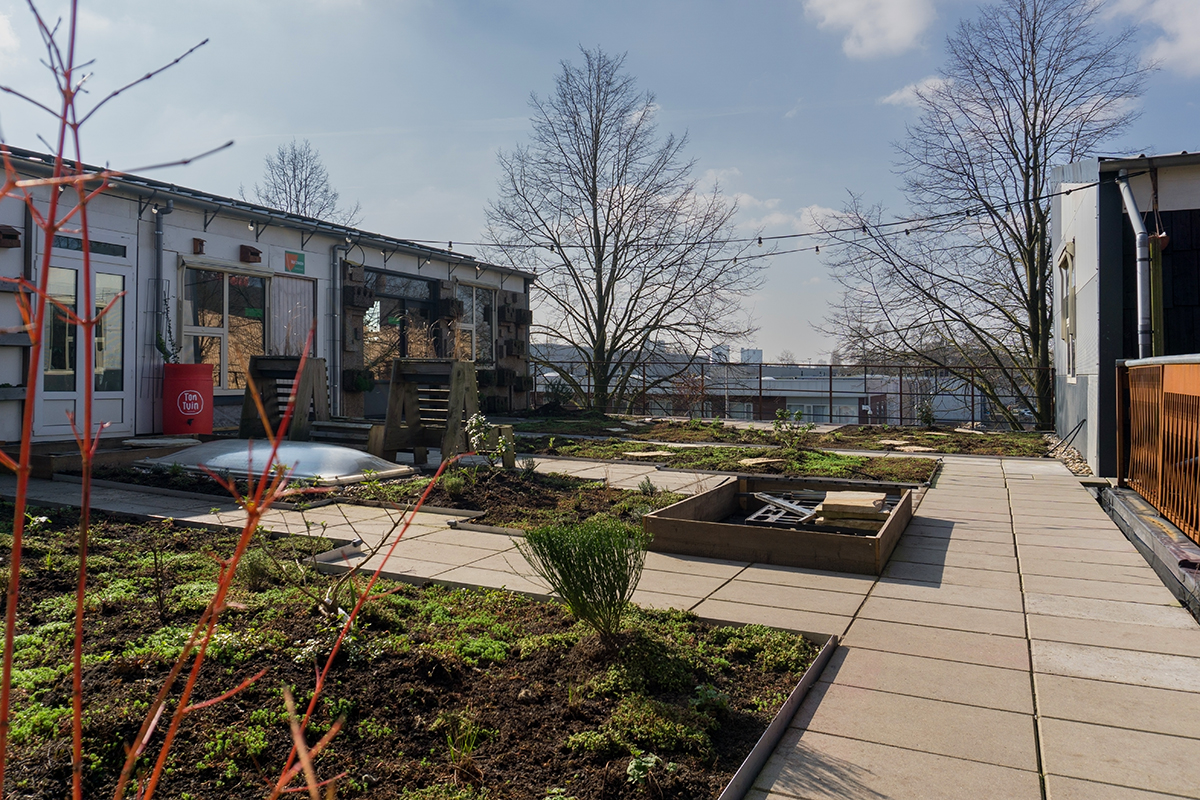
336	254
1144	329
159	213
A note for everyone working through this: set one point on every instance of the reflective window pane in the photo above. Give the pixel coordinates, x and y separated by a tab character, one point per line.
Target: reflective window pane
247	326
484	350
110	341
388	284
204	298
203	350
59	334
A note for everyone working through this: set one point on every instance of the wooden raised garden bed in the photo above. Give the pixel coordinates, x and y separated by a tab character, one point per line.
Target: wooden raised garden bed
713	524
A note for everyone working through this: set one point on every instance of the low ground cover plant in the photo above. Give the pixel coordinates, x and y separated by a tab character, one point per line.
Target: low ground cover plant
781	461
439	693
850	437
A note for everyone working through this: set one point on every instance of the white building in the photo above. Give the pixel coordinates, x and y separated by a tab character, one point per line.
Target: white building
1096	285
233	279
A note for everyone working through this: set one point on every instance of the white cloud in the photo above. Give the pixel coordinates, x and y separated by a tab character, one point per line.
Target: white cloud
803	220
1178	46
908	95
9	43
876	27
795	109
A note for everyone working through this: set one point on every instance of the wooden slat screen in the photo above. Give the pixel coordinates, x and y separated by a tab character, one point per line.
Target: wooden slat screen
1164	441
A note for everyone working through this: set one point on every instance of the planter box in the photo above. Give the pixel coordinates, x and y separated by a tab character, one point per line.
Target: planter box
696	527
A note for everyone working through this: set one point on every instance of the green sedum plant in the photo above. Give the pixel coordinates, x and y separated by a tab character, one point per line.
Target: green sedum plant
594	566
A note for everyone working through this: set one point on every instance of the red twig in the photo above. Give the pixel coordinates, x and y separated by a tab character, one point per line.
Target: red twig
289	773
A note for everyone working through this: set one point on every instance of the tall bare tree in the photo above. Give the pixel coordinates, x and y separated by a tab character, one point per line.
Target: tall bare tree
637	271
1026	85
295	180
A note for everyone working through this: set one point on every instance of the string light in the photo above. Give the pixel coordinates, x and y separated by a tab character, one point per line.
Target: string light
908	224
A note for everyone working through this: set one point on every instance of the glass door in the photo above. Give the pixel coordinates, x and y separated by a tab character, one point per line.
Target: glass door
61	394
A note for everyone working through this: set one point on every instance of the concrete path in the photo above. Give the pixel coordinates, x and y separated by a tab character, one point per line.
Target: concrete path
1017	646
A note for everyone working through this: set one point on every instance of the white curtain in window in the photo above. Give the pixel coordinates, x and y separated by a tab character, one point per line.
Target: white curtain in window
292	314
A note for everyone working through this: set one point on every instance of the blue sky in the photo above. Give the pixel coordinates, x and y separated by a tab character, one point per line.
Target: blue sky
785	102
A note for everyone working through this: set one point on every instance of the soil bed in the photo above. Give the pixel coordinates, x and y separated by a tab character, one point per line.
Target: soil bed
943	440
520	499
803	462
549	712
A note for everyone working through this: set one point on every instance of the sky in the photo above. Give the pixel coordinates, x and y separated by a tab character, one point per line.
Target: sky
790	106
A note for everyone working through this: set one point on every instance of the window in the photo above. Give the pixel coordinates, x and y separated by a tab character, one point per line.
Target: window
399	325
472	331
110	348
1068	322
223	322
59	337
95	247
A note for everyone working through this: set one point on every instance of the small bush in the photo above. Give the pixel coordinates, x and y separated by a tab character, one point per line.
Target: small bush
455	483
593	566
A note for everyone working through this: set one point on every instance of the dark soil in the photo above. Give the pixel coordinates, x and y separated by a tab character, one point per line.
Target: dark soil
519	499
161	477
424	667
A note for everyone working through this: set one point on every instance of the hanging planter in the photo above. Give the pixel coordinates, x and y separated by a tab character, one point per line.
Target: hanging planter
357	380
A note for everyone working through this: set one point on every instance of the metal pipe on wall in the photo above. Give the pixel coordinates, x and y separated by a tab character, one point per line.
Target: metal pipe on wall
159	213
1145	329
335	327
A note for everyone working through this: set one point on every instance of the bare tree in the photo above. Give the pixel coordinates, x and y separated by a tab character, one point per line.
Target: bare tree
1026	85
637	270
786	357
295	180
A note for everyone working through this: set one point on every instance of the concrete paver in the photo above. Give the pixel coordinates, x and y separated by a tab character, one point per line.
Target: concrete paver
788	619
1103	573
950	681
910	551
1119	705
1160	670
949	594
959	576
1109	611
1124	635
765	594
1100	590
1120	756
1060	788
980	734
949	645
817	766
934	615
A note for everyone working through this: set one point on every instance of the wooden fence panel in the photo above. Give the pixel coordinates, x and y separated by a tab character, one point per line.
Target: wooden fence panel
1164	440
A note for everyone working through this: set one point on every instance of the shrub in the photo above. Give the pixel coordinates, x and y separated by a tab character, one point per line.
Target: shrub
455	483
594	566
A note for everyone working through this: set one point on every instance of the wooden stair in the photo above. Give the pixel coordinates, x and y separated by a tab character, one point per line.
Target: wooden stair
360	434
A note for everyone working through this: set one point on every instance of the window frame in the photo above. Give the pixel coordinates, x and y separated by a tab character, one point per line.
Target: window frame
221	385
471	327
1068	316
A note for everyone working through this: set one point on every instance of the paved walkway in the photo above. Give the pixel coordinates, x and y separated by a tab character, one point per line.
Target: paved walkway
1017	646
